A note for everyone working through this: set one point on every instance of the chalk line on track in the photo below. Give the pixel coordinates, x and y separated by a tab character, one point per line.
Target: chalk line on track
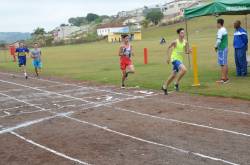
173	120
32	122
183	104
181	122
57	82
49	149
151	142
206	107
139	139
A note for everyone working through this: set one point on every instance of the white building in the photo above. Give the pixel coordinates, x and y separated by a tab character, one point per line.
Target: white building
176	7
133	13
61	33
134	20
104	30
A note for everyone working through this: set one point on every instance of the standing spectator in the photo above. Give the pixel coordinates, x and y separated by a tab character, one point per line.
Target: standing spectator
241	47
221	48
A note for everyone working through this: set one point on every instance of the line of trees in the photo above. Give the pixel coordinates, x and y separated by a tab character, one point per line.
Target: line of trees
90	18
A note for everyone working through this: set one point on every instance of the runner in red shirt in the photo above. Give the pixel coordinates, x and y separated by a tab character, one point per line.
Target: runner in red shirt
125	53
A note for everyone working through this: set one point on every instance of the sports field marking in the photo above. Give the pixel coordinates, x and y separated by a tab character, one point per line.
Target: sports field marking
151	142
6	109
57	82
119	133
13	98
32	122
181	122
206	107
11	90
177	103
45	91
173	120
49	149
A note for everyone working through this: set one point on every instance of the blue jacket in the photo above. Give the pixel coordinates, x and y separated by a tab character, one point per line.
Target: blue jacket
240	38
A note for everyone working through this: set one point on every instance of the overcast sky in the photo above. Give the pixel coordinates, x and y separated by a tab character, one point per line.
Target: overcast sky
26	15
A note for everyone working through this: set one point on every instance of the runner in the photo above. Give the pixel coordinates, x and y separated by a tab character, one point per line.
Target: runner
21	53
125	53
36	54
175	54
221	48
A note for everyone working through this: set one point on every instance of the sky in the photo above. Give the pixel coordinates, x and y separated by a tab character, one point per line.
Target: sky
26	15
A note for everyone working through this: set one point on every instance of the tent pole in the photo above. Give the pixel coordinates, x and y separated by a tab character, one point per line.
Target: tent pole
246	21
189	61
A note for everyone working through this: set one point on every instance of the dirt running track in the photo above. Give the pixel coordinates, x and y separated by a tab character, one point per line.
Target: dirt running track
60	122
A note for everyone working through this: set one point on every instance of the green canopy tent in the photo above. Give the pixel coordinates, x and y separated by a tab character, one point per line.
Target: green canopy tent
218	7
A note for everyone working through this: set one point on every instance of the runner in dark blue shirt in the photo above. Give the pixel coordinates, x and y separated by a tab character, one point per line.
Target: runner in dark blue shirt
22	52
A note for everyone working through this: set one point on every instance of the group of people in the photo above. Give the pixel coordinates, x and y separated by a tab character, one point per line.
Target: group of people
180	47
36	53
175	55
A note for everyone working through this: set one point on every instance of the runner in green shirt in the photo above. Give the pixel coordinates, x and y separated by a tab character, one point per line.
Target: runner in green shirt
175	53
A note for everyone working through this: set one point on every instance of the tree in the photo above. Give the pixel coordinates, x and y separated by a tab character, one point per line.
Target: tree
39	31
145	23
78	21
155	16
92	17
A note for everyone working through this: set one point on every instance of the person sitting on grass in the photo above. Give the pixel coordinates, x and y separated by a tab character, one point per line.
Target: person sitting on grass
36	54
126	64
175	54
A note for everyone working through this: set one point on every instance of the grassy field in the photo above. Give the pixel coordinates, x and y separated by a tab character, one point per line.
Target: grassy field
99	62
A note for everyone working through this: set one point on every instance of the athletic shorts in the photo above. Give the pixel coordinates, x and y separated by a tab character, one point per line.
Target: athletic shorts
125	62
37	64
21	61
222	57
176	65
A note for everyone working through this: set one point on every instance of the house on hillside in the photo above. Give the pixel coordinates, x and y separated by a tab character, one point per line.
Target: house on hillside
176	7
134	21
132	13
114	32
64	32
104	30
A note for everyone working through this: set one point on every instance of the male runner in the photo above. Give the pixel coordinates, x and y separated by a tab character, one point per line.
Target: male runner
175	54
36	54
125	53
21	54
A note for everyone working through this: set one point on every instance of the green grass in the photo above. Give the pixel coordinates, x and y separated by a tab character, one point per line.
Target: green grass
99	62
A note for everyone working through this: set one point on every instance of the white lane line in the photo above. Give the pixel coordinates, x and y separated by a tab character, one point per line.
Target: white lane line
49	149
152	142
22	112
32	122
57	82
182	122
195	106
45	91
206	107
11	108
13	98
7	113
119	133
11	90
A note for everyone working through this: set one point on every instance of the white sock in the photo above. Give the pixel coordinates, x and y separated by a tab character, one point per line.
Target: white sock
25	74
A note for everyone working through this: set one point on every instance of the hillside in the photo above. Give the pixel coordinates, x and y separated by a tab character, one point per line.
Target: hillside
8	37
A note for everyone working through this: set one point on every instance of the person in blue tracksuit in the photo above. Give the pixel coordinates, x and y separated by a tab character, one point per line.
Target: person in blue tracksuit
241	47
